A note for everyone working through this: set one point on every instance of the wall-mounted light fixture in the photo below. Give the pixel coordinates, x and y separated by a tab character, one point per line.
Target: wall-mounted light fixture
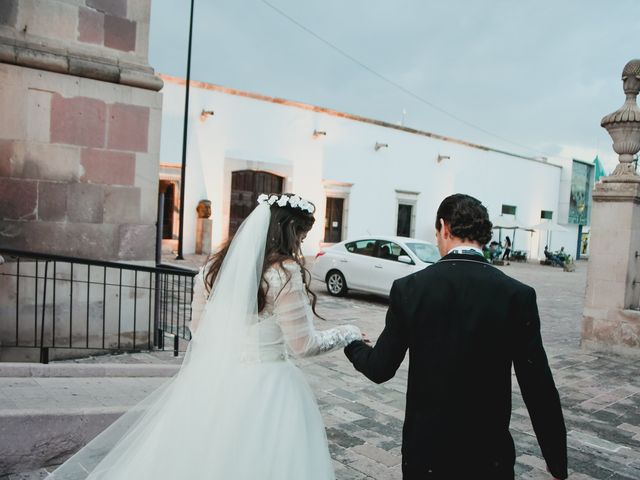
318	133
442	157
379	145
206	113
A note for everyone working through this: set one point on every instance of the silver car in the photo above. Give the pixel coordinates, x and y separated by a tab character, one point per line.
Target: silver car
371	264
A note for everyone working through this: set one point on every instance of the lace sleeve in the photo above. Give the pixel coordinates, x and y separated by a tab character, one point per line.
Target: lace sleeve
295	317
199	301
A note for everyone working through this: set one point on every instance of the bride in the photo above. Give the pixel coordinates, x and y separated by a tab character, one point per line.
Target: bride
238	408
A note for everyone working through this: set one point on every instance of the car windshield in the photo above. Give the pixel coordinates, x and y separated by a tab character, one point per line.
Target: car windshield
425	251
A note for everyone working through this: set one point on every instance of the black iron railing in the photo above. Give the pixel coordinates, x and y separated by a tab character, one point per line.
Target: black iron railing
53	301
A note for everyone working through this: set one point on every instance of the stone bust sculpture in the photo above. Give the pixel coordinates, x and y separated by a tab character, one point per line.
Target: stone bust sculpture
204	209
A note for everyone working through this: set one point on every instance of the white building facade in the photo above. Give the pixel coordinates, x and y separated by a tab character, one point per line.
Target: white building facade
365	177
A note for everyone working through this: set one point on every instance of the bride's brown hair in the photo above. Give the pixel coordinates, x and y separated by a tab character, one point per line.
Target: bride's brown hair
286	226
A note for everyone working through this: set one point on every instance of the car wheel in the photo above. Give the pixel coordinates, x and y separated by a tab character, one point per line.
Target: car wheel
336	284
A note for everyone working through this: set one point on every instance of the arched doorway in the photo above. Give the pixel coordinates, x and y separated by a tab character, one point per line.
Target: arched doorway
246	185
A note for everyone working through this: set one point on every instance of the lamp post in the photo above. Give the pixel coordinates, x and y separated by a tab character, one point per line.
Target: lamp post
184	138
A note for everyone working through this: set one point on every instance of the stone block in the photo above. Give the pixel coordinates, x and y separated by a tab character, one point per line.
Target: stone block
55	20
95	70
52	201
119	33
139	10
46	161
149	204
117	8
18	199
85	203
627	331
78	121
128	127
155	130
86	240
90	26
137	242
142	39
38	115
6	153
104	166
121	205
12	100
41	60
8	12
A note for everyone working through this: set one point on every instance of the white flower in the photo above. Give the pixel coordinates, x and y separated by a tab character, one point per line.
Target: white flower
283	201
273	199
295	201
304	205
263	198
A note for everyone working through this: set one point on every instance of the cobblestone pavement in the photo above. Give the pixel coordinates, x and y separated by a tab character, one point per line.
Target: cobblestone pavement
600	392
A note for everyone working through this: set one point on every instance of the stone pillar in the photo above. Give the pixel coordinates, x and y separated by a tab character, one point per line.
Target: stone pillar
204	228
611	320
80	120
203	236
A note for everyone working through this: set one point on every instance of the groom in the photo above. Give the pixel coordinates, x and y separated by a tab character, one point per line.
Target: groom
465	323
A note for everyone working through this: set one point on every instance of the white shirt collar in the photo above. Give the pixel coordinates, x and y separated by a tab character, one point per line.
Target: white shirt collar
465	249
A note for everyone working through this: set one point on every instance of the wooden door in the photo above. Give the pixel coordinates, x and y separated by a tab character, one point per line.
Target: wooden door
246	186
333	220
167	189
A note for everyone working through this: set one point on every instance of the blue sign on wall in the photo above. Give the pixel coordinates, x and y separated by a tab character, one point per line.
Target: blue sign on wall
580	199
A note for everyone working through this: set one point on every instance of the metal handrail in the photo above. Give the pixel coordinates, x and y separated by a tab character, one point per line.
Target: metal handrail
162	268
169	291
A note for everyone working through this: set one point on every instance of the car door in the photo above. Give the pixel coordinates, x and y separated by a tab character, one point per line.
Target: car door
357	265
387	268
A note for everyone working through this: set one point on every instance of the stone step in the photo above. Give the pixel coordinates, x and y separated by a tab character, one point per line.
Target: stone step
45	419
33	439
81	370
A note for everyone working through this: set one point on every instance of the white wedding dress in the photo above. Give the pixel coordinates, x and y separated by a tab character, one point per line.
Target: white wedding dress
239	409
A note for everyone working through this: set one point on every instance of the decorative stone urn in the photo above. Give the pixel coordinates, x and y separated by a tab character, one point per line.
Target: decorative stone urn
624	126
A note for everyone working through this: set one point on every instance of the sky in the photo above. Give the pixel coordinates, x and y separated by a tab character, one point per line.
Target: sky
533	78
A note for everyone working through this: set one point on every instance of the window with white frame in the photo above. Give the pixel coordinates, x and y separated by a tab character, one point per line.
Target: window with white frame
406	213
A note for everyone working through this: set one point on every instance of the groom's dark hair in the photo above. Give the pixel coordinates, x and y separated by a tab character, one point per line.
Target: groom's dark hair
466	217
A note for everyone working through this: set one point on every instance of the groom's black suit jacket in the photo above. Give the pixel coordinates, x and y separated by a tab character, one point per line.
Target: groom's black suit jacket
465	323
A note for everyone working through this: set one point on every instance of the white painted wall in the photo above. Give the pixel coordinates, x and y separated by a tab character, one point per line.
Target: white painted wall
251	133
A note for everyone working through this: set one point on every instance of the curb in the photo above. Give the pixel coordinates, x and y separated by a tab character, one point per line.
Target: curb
31	439
16	370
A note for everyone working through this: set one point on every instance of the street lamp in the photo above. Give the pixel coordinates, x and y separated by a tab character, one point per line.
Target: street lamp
184	138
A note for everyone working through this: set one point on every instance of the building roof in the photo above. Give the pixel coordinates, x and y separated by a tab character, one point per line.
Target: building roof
349	116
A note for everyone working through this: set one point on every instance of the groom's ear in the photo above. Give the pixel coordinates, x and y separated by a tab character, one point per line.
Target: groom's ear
445	232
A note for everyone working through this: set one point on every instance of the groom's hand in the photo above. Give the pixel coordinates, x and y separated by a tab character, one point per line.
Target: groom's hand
365	339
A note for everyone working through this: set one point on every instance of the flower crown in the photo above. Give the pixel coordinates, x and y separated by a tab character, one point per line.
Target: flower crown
293	201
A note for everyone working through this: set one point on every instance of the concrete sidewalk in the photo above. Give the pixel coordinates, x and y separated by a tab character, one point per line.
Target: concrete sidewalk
600	393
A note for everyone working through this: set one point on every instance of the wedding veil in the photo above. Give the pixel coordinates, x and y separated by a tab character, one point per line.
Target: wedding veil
142	443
